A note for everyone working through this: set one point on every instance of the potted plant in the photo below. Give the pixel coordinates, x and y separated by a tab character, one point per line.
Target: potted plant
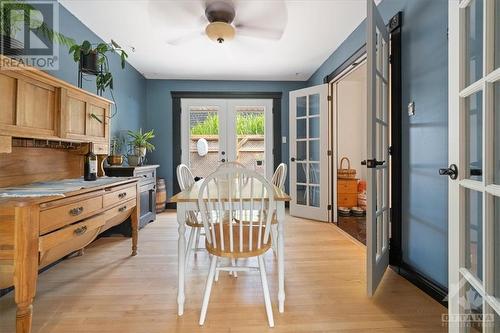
116	157
141	142
93	59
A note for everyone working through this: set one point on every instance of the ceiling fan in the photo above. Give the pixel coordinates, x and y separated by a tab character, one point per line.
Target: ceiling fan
222	20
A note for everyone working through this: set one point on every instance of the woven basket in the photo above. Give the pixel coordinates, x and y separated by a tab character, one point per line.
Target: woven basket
346	173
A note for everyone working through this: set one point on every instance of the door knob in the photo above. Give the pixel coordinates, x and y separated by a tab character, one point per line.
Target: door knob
292	159
451	172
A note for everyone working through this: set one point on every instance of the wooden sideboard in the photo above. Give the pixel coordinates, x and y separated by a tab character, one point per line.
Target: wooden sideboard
347	192
37	231
40	106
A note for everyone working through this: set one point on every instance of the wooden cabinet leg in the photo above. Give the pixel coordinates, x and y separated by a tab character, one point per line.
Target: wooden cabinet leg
26	265
135	222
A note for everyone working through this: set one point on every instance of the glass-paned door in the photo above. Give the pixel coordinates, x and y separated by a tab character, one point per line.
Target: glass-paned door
309	153
204	143
474	157
377	163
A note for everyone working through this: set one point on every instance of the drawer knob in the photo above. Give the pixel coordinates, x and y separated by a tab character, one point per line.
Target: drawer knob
76	211
80	231
121	209
122	195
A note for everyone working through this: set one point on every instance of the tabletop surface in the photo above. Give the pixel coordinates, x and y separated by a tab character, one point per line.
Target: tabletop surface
191	194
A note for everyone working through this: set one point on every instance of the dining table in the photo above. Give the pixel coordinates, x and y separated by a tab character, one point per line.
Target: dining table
187	200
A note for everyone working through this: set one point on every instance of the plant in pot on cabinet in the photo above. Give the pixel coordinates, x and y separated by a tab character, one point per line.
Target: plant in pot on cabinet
116	157
141	144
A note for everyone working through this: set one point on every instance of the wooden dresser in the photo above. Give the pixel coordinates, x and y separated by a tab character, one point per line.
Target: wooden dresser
37	231
347	192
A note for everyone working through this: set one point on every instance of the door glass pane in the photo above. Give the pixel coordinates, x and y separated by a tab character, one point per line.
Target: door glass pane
474	232
204	132
474	42
301	195
301	128
250	141
301	150
313	104
472	308
496	247
497	34
474	109
301	173
314	196
301	106
314	150
496	120
314	128
313	173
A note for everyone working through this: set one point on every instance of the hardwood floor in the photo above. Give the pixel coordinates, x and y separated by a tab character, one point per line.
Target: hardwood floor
106	290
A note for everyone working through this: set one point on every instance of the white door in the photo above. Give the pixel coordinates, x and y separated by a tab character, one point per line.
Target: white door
250	134
309	179
232	129
203	121
474	158
377	212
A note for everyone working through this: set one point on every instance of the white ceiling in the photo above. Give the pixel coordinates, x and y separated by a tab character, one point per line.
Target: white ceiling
315	28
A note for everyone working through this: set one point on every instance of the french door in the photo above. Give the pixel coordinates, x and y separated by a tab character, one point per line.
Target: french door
474	171
377	163
309	179
216	131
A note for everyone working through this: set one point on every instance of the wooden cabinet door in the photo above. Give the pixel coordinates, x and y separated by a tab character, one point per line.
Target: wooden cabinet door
30	108
84	117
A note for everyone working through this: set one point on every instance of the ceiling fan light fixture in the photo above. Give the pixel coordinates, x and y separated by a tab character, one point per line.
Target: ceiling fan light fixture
220	32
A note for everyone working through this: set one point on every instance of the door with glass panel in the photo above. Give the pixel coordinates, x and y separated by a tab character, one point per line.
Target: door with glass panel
377	149
250	134
309	179
203	135
474	170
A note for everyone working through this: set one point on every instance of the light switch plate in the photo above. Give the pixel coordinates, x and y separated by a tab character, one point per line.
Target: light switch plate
411	108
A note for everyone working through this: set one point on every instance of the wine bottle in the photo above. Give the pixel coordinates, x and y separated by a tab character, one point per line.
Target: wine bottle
90	165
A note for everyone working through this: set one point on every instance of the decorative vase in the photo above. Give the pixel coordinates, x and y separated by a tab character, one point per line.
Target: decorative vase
133	160
115	159
88	63
140	151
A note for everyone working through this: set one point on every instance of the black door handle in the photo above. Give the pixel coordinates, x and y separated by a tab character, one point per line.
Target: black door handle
373	163
292	159
451	171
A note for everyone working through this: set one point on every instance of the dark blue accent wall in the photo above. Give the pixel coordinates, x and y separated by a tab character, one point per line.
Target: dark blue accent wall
425	135
159	112
129	84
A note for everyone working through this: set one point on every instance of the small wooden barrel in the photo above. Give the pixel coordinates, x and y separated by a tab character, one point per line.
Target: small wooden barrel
161	195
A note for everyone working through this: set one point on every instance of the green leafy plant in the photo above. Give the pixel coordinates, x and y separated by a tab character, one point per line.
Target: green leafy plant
14	14
104	78
246	124
142	140
117	143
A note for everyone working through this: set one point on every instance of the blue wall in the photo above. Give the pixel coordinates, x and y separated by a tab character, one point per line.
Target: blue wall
129	84
425	136
159	112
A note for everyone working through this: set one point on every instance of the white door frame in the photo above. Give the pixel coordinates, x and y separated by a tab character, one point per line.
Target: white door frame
378	204
320	213
459	275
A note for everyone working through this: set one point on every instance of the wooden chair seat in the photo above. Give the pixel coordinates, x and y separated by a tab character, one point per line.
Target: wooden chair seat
244	252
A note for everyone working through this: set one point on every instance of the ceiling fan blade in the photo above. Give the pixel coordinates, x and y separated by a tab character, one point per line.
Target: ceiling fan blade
258	32
186	38
270	17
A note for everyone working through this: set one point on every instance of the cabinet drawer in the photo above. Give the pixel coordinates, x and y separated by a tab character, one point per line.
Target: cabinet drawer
57	244
119	194
146	176
101	148
55	218
347	200
119	214
347	186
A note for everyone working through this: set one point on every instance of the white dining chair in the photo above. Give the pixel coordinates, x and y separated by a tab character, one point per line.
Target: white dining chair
225	192
185	179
